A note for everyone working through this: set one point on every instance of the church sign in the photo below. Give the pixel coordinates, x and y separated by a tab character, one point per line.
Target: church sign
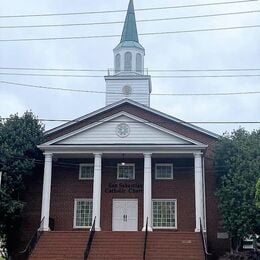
124	188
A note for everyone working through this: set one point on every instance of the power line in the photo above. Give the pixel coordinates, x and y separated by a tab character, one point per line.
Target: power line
115	93
141	34
120	11
144	122
121	22
151	70
154	76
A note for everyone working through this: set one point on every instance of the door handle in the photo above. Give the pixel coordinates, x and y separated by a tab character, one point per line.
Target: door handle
126	218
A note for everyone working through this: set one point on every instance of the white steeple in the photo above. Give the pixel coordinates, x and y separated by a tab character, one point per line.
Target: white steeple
129	79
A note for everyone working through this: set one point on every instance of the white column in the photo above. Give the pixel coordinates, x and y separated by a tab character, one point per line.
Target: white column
46	191
147	191
198	173
97	190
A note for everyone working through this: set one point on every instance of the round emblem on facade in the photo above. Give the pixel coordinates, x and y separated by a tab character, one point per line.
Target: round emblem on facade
127	90
123	130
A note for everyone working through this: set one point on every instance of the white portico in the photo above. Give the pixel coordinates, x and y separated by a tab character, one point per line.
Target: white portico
123	134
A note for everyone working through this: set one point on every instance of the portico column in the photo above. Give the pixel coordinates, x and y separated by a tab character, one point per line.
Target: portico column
46	191
147	191
97	190
198	189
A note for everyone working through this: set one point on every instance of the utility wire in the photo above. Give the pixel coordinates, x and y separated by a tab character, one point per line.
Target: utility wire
121	22
150	70
154	76
144	122
120	11
115	93
141	34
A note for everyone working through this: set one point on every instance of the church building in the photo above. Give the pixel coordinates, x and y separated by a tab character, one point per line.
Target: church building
144	178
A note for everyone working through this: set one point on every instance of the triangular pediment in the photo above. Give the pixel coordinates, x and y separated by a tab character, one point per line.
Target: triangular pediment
122	128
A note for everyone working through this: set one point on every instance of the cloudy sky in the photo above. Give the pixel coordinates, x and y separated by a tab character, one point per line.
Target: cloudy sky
224	49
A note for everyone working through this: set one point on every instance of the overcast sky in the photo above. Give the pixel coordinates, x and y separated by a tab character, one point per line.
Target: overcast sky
202	50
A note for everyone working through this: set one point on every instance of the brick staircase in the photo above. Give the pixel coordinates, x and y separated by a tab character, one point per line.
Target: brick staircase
174	245
119	245
59	245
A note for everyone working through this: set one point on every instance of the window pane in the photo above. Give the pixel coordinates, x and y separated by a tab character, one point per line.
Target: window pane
86	171
126	172
83	213
118	63
138	62
164	214
163	171
128	61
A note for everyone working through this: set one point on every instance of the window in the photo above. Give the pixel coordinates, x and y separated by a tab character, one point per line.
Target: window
163	171
126	171
118	63
128	61
86	171
139	62
164	214
83	213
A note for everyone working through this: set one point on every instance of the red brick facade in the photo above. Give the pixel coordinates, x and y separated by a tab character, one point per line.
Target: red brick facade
66	185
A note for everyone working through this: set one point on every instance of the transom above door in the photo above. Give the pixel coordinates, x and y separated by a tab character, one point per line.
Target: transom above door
125	215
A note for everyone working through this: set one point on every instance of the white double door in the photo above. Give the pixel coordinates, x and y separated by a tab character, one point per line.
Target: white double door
125	215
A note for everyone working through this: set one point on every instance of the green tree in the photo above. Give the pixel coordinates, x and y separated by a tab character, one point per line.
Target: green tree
257	194
19	137
237	162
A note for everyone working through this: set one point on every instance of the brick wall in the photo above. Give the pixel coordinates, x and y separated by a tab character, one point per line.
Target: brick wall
66	186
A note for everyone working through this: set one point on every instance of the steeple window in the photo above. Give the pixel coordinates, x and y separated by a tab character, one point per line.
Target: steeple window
128	61
118	63
139	62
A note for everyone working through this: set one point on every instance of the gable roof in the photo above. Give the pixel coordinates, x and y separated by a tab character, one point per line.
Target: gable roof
139	132
149	114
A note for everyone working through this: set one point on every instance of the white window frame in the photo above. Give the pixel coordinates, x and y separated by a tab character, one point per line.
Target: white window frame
176	208
75	213
80	171
126	164
164	164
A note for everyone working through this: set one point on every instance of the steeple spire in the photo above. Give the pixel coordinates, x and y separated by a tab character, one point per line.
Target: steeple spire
130	30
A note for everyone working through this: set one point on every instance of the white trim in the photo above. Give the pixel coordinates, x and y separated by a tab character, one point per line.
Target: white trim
75	211
118	148
137	105
163	164
126	164
80	171
176	208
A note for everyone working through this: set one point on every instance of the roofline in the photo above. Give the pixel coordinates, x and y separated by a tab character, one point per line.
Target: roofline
120	102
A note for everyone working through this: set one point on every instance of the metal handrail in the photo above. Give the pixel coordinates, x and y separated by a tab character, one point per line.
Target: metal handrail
32	242
90	240
145	239
205	250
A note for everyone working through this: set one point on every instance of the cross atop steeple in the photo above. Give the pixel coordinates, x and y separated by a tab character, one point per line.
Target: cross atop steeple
130	30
